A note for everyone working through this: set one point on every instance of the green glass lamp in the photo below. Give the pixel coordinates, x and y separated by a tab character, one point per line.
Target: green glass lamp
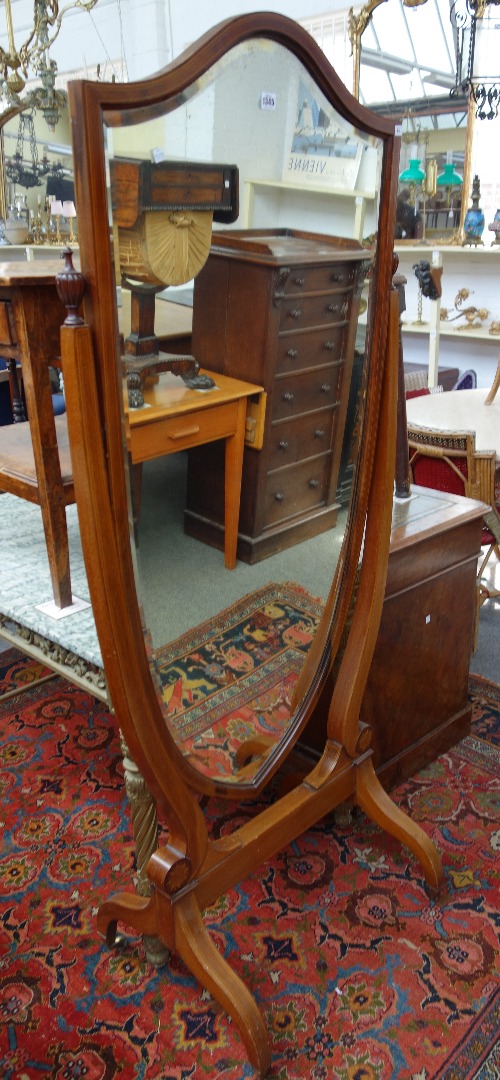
449	178
413	174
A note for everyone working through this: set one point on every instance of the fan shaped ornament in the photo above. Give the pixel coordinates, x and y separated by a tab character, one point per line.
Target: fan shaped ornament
166	247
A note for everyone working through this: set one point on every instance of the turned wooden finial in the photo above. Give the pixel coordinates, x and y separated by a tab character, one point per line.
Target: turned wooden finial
70	285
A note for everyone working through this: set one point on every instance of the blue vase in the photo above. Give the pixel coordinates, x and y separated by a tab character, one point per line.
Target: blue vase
474	218
495	227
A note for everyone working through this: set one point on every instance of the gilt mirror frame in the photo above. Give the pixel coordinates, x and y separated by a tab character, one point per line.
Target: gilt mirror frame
191	869
89	103
357	24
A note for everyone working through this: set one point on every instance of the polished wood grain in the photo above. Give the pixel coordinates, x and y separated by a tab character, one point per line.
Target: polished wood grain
176	418
191	870
416	697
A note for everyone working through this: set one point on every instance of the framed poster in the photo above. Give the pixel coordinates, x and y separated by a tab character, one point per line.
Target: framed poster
323	148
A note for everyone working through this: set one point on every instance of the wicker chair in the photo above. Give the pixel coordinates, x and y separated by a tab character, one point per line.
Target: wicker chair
448	461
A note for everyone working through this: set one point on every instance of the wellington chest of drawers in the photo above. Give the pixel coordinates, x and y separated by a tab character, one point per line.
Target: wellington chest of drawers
280	309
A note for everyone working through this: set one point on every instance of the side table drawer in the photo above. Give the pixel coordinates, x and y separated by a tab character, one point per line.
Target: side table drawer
147	441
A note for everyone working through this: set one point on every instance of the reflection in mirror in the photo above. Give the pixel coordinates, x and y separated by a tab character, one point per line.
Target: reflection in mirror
415	85
275	276
425	60
432	165
37	171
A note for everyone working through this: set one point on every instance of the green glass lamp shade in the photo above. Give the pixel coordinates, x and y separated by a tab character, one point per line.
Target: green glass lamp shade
413	174
449	178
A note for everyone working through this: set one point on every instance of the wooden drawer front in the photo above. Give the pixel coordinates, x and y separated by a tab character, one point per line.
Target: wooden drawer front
7	333
181	432
317	310
296	490
313	390
314	278
306	436
308	348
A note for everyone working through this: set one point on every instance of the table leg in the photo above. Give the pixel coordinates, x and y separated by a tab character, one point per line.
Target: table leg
18	410
235	445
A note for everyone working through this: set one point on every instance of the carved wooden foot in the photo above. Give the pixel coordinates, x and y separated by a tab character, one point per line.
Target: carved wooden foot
203	959
136	911
372	798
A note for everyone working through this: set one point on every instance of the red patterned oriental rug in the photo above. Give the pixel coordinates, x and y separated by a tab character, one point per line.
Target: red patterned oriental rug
357	972
236	680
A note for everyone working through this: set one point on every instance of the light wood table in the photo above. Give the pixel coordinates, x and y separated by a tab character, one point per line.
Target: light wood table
459	410
175	418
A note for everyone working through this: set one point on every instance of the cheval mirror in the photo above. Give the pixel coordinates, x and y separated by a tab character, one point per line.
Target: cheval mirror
250	146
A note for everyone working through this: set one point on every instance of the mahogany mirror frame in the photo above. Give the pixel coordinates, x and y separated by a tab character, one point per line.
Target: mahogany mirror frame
191	871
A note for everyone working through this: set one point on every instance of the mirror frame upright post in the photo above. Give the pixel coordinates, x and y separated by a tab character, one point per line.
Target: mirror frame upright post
191	870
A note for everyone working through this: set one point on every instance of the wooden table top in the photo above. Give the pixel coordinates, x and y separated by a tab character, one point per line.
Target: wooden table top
459	410
34	272
170	396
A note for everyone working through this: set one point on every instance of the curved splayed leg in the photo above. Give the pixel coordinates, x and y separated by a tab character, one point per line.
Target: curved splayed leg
375	801
193	943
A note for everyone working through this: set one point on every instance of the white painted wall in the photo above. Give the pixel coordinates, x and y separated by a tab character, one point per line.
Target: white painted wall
148	33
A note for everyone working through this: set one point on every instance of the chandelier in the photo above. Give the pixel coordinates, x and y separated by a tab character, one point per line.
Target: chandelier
477	35
15	63
27	172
